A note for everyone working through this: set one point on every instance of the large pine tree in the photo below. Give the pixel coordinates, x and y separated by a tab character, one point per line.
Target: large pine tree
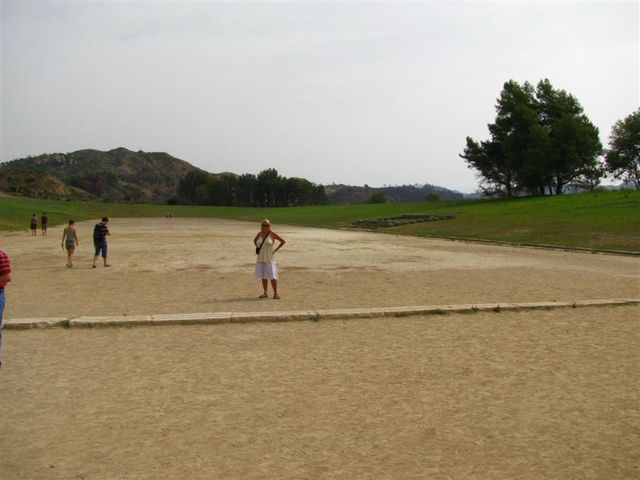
541	141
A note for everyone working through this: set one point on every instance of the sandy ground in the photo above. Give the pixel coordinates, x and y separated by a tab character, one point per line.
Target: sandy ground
196	265
517	395
512	395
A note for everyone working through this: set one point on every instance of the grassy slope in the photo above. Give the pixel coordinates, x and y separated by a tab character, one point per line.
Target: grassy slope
608	220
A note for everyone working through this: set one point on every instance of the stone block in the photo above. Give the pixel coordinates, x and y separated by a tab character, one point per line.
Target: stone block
27	323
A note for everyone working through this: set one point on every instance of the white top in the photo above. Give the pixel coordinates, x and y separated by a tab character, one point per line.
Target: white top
266	252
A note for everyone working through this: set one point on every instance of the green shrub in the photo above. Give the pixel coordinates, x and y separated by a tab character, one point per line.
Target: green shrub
378	197
432	197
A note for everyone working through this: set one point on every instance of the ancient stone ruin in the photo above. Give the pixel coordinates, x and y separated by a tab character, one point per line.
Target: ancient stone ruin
400	220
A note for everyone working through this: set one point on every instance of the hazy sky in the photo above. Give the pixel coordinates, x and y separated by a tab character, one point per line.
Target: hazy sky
376	93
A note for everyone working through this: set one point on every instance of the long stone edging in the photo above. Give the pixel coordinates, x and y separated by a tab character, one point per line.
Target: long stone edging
302	315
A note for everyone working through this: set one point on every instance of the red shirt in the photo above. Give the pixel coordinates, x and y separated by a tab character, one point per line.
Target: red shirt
5	269
5	265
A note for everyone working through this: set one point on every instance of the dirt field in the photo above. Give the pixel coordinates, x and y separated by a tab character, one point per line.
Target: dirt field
528	395
512	395
195	265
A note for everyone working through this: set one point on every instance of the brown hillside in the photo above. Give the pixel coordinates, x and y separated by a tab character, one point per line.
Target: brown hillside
115	175
32	183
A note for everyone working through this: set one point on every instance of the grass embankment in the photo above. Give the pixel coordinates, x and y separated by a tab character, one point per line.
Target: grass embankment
604	220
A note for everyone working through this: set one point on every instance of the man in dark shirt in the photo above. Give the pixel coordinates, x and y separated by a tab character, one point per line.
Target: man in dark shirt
100	234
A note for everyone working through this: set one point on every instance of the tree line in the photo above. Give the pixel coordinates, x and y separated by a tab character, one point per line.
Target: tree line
541	142
267	189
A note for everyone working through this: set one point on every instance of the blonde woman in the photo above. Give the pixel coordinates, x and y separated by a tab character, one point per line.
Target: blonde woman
70	241
265	265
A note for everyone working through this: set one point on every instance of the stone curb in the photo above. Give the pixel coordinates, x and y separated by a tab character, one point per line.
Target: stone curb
296	316
28	323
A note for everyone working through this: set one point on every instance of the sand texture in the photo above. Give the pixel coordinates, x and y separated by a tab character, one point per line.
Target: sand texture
195	265
545	394
517	395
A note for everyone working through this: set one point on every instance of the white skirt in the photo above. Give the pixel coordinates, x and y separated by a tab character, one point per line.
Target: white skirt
266	271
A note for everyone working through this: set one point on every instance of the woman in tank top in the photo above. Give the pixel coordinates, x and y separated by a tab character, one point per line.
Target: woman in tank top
70	241
265	265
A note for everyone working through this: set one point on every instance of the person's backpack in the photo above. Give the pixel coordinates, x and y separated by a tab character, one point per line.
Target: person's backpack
97	233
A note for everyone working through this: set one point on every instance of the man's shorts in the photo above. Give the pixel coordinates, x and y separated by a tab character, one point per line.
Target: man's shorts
101	246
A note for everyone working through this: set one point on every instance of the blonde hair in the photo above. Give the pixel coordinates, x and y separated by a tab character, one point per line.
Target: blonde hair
265	221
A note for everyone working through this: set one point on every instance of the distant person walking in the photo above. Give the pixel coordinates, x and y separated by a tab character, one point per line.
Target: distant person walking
5	277
265	265
100	234
33	224
44	223
70	241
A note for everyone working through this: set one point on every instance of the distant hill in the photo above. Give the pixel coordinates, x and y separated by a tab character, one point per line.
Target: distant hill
34	183
345	194
116	175
121	175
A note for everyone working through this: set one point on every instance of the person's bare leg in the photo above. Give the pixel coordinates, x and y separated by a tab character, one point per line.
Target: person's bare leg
104	260
274	285
69	257
264	288
95	260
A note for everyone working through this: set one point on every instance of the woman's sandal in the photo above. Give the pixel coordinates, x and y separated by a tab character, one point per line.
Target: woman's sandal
264	295
276	297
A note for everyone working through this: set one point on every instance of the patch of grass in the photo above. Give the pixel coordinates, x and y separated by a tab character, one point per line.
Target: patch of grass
603	220
609	221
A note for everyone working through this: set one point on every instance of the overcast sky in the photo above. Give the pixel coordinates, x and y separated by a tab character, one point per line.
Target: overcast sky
358	93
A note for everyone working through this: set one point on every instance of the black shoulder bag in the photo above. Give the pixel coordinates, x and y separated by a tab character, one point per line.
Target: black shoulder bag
262	243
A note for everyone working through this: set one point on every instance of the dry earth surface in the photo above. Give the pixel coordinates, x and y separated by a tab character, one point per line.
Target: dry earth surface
201	265
519	395
512	395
